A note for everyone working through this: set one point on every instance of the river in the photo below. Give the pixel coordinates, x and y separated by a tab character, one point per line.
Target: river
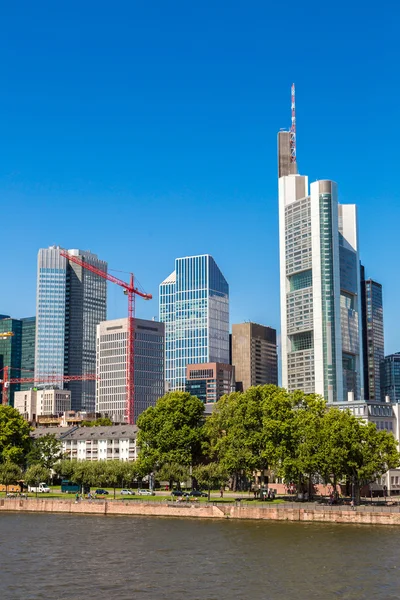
54	557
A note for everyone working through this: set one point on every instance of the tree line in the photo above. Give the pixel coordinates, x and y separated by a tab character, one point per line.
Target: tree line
265	430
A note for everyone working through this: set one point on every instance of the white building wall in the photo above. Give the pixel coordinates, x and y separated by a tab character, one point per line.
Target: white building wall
290	189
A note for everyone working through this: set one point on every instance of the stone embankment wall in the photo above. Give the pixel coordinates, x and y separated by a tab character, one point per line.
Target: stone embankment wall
277	512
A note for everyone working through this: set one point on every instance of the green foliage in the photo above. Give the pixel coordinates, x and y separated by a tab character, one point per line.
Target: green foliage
15	441
100	422
173	473
65	468
10	473
36	474
211	475
171	431
250	431
46	451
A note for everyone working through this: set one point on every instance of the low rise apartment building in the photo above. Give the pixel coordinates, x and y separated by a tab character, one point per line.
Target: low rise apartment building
114	442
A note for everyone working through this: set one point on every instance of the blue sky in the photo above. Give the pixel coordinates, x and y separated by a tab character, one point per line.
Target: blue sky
144	131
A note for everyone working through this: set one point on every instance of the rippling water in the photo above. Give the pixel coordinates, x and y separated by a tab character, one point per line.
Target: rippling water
82	557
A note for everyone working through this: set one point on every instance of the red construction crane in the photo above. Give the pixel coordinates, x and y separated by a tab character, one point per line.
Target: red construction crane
131	292
7	381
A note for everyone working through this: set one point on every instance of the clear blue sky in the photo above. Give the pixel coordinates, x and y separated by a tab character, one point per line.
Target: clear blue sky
144	131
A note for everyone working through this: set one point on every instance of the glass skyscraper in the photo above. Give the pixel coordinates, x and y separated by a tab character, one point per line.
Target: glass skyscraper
373	336
321	329
17	351
390	377
71	301
194	305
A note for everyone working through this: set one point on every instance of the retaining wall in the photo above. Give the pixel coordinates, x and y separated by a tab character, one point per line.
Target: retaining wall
277	512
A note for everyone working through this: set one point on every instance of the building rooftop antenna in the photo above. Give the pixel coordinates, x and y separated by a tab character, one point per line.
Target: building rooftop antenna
293	127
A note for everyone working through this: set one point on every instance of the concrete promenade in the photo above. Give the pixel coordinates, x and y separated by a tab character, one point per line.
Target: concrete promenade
296	512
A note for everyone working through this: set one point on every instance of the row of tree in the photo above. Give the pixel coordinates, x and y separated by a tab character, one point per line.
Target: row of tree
266	429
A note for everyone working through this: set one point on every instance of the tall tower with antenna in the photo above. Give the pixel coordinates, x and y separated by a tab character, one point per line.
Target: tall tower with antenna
287	159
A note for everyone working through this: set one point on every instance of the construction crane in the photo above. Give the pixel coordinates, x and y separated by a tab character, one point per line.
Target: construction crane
131	291
6	334
6	381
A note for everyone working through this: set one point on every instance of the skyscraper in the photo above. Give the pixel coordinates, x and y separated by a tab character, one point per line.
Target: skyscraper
17	352
320	291
390	377
373	336
111	366
194	305
71	301
28	334
254	355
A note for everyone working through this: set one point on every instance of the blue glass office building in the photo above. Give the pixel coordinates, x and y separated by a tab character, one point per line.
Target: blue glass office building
71	301
194	305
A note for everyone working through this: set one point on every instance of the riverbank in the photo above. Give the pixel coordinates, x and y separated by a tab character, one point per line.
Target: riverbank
296	512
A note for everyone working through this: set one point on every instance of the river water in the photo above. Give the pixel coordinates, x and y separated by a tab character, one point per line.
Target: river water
83	557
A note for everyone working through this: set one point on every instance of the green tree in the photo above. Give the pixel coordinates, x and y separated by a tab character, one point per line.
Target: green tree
65	468
100	422
36	474
173	473
15	440
45	451
298	460
171	431
251	431
84	472
210	476
115	473
10	474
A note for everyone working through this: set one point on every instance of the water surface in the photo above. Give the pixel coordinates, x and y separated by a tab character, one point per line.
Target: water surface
83	557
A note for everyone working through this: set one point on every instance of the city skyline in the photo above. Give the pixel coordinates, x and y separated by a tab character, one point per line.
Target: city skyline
176	155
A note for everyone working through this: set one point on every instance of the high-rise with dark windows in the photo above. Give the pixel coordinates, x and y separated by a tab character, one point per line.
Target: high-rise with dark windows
390	377
71	301
194	305
373	336
17	351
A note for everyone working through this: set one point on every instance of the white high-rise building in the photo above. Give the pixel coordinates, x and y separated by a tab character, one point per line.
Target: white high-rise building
321	329
111	365
70	302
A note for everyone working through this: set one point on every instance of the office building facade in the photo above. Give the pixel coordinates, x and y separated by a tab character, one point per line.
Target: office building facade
390	378
28	335
210	381
71	301
17	351
194	305
111	362
320	291
254	354
373	336
34	403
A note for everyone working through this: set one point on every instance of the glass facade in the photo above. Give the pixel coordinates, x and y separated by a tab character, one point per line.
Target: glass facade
71	301
390	377
373	336
28	334
194	305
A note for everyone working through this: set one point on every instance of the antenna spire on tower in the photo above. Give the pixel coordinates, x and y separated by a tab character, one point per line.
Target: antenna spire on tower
293	127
